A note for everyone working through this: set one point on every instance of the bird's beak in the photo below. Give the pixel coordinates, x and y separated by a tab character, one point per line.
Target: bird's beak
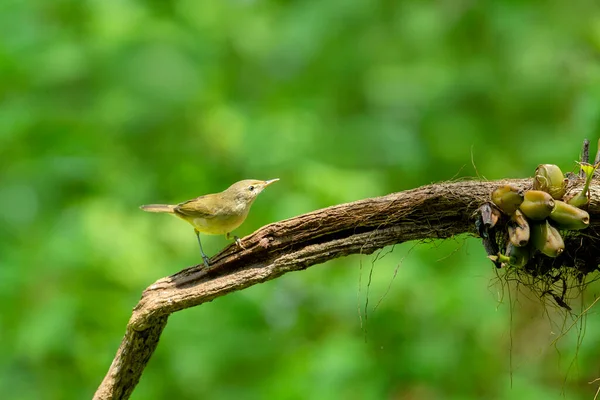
267	183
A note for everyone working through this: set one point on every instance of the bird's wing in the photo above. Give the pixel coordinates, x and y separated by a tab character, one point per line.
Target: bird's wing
196	208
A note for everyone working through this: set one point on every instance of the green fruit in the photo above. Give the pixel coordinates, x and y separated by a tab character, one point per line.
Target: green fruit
537	205
550	179
507	198
518	229
568	216
517	256
547	239
581	199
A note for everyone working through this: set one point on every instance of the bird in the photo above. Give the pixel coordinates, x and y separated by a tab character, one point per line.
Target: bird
216	213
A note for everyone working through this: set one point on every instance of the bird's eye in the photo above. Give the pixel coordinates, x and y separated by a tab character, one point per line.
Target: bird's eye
251	188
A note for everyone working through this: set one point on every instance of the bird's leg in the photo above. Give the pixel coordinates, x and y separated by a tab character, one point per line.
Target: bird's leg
204	257
237	240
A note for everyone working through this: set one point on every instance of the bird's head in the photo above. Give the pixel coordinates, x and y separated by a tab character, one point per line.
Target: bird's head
248	189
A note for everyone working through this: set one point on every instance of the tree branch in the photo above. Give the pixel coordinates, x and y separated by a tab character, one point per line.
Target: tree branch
430	212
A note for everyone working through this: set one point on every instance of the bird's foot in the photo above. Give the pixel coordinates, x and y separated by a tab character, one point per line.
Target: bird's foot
239	243
236	239
205	259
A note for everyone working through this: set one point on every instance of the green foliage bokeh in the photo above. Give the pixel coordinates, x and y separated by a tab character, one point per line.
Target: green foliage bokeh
106	105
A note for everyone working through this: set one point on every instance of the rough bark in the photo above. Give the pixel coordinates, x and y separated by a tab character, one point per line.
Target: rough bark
431	212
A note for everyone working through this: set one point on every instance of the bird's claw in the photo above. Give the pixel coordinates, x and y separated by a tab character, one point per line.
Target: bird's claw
205	259
237	240
239	243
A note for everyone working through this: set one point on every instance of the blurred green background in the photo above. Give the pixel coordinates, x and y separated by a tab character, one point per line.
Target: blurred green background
106	105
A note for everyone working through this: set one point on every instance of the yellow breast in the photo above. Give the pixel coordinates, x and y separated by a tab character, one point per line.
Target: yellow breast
218	225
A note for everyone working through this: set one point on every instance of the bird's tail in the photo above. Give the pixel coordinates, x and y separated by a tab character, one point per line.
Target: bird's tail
158	208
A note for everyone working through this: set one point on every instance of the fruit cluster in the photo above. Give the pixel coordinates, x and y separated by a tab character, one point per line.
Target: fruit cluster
536	217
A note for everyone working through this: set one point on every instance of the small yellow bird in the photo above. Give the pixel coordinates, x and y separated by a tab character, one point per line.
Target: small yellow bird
217	213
